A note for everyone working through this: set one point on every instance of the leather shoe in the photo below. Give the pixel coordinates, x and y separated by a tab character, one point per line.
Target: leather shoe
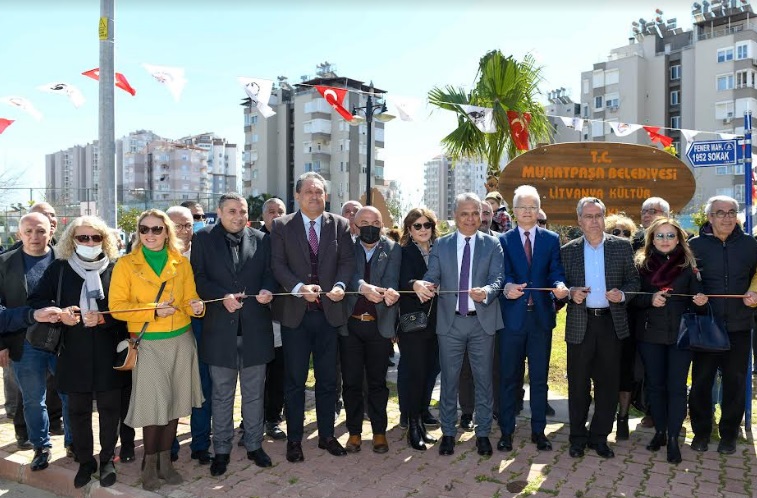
84	474
107	474
331	445
294	452
126	455
260	457
700	443
447	446
273	431
659	440
550	410
429	420
602	450
727	447
674	452
220	462
380	444
505	442
484	446
542	443
353	444
202	457
466	422
23	443
41	459
576	450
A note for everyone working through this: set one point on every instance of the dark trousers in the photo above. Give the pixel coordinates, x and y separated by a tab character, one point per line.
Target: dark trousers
667	369
125	433
596	359
515	346
274	387
364	355
467	391
199	423
419	356
80	415
733	365
314	335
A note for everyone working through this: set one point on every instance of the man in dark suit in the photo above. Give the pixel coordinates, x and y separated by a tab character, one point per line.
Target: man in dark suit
313	257
599	269
364	340
466	319
231	261
532	259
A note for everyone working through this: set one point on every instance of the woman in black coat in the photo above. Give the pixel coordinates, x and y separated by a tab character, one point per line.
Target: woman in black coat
419	349
85	365
666	266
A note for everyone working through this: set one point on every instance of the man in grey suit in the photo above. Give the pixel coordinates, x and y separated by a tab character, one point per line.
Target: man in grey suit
468	316
599	270
365	338
231	260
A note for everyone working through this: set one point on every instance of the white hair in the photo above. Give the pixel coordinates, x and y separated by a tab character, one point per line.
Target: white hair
467	197
720	198
180	210
657	201
526	191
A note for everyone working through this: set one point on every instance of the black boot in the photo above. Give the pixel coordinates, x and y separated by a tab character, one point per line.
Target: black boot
674	452
427	438
414	435
659	440
621	433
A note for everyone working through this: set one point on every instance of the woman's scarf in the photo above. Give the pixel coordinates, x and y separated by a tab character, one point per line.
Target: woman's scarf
90	271
662	269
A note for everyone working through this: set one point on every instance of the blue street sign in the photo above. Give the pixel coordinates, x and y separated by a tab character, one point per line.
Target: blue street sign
714	153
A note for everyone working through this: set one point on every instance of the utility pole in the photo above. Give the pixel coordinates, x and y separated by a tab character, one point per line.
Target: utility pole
106	201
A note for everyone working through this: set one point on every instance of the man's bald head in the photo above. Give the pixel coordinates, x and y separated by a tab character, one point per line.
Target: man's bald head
35	233
49	211
368	212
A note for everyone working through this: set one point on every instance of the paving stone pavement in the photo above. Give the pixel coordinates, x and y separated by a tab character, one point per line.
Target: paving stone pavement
403	472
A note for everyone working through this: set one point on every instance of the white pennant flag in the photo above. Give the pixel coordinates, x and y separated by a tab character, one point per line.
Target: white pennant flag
259	91
623	129
482	117
689	136
575	123
24	105
171	77
70	91
407	107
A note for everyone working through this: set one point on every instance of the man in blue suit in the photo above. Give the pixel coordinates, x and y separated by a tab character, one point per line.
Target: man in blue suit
469	262
532	259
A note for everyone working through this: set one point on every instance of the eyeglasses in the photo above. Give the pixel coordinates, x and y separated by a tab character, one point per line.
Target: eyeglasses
198	217
541	222
184	226
651	211
143	229
428	225
86	238
527	209
720	214
617	232
589	217
669	236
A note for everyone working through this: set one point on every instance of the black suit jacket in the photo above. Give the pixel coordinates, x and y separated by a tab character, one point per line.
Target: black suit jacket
290	260
215	277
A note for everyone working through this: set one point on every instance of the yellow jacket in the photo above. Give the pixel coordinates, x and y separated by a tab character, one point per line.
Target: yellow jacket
134	285
753	287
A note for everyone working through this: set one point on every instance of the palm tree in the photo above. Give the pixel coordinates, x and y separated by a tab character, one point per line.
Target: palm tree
504	84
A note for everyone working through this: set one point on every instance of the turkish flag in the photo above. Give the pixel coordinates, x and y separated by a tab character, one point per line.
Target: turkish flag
335	97
519	128
4	123
121	81
656	137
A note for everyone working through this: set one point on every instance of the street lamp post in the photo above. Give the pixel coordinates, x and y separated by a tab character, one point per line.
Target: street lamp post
369	110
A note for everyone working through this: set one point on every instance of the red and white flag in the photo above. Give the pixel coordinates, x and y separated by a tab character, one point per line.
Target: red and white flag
481	117
4	123
24	105
259	92
171	77
519	128
70	91
121	81
656	137
623	129
335	98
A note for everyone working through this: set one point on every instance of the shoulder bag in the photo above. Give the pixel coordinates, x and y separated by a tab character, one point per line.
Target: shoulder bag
701	333
415	321
46	336
126	350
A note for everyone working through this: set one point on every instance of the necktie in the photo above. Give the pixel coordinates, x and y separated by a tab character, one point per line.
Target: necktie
313	238
527	248
462	296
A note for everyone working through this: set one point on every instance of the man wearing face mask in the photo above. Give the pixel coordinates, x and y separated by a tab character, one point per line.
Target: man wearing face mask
364	340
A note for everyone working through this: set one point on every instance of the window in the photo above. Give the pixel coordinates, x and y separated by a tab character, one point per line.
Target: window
585	112
738	194
738	169
724	191
612	100
598	79
725	54
725	82
675	122
724	170
598	102
675	72
745	78
724	110
742	50
585	86
612	77
675	97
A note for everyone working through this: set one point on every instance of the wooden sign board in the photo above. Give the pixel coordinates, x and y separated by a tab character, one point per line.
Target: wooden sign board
621	175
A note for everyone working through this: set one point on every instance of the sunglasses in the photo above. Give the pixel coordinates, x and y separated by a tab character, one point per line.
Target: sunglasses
143	229
86	238
198	217
428	225
618	232
669	236
541	222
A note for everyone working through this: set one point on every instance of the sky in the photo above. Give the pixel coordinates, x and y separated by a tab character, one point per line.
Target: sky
404	47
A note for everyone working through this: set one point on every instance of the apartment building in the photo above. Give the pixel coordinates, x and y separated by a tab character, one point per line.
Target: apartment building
443	179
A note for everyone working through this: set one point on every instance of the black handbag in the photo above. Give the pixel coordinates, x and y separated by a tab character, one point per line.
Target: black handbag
415	321
45	336
701	333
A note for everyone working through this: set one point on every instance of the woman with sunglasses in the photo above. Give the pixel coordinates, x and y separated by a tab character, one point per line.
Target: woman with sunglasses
666	266
87	251
166	379
419	350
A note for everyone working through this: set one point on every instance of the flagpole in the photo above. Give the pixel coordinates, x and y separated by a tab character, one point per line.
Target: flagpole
748	229
106	200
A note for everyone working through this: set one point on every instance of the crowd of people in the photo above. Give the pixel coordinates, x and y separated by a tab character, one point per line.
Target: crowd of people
218	305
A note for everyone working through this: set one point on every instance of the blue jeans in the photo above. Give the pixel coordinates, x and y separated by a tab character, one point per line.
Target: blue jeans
31	374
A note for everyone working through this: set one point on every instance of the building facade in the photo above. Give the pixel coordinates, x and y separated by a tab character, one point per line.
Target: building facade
443	179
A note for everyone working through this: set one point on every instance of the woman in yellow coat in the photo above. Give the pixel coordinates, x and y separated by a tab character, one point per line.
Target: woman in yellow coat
166	380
